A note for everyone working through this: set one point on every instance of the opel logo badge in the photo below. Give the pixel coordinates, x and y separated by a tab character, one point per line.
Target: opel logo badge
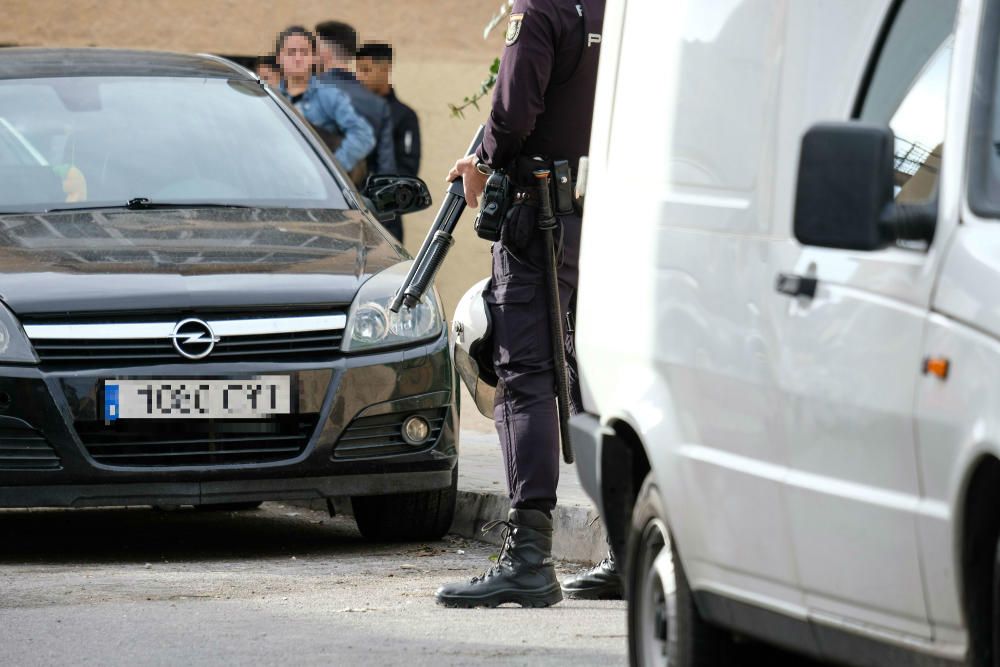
194	339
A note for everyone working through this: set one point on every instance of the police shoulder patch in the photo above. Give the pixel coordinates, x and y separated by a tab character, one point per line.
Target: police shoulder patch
514	28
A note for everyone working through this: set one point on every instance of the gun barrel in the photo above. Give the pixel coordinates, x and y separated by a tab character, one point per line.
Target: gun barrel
446	220
435	246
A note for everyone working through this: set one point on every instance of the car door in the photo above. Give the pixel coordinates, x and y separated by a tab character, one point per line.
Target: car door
850	357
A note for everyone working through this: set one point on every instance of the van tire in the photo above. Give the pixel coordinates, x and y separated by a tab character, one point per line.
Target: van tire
684	636
407	517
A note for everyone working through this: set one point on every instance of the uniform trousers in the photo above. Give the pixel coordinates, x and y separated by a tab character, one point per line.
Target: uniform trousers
525	406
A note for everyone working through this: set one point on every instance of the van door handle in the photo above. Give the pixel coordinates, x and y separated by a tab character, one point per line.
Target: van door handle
793	285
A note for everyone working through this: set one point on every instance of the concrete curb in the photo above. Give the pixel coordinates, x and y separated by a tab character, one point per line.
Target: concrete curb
578	534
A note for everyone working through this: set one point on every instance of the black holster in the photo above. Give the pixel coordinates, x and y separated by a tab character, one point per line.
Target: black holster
497	198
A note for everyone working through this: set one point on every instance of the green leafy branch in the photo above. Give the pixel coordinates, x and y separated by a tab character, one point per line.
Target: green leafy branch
458	111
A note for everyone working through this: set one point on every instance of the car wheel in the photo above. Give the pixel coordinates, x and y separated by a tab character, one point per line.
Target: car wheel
404	517
663	622
994	642
230	507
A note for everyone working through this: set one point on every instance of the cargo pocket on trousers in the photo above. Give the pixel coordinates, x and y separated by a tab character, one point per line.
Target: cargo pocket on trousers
518	226
520	326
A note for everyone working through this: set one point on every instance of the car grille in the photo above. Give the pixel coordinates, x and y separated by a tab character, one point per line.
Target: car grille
170	442
24	448
382	435
62	344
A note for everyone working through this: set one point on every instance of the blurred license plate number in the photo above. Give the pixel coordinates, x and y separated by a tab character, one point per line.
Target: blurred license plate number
197	399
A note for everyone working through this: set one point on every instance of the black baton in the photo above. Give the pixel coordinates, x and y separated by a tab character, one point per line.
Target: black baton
547	224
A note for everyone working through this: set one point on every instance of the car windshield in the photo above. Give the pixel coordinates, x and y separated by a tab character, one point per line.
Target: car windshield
103	141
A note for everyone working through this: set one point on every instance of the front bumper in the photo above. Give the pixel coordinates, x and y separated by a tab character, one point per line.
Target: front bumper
56	405
587	434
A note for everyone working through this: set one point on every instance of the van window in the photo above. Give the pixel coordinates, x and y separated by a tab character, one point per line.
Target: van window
993	161
909	90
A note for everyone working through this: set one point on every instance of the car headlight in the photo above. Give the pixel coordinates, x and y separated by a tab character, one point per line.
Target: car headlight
14	344
371	324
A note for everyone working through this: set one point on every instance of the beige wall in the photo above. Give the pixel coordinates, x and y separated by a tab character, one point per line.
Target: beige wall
441	57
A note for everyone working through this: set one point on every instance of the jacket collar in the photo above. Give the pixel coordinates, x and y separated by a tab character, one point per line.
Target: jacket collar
313	80
337	74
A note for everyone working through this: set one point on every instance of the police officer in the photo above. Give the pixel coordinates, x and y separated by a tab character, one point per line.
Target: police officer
541	112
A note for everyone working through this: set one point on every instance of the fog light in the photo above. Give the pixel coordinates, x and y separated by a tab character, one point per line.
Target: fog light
416	430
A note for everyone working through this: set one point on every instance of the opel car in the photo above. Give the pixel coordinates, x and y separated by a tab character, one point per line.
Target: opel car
193	302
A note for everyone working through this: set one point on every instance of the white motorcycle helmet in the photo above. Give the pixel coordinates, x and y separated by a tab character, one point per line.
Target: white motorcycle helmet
473	351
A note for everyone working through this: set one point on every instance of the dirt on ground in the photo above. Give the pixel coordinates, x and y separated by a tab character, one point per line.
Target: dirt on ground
282	585
440	51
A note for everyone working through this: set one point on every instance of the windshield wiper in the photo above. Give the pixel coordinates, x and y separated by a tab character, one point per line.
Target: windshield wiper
142	203
145	204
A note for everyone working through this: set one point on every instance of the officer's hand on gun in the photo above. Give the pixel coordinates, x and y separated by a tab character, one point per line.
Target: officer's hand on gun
473	180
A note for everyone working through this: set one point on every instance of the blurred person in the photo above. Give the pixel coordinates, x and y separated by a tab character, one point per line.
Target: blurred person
326	108
74	183
337	45
268	71
374	65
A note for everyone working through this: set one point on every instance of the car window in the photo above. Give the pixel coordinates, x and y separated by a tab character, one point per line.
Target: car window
908	92
97	140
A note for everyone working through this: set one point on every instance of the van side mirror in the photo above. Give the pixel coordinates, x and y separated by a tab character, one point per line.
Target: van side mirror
396	195
845	193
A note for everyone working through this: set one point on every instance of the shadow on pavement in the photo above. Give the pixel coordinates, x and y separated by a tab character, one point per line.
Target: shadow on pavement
146	534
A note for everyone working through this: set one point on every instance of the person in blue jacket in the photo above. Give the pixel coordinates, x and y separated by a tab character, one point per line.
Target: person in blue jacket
336	49
325	107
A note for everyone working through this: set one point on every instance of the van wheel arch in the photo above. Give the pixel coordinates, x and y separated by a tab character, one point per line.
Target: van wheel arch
624	466
980	530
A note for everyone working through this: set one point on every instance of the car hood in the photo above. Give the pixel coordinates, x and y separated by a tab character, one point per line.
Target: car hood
99	261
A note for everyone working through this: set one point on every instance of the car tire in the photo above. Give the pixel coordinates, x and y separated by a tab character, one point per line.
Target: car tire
231	507
407	517
664	627
992	648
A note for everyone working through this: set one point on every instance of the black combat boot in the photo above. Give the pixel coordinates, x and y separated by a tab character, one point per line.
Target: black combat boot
601	582
523	574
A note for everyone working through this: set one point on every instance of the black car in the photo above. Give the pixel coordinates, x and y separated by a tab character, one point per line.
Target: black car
194	302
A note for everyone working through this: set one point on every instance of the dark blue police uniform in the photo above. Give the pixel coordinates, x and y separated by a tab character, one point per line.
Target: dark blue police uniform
542	108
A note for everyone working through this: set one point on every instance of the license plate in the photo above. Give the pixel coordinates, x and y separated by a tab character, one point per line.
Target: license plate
197	399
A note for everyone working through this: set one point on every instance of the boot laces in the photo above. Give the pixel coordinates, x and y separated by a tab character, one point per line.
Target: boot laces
503	557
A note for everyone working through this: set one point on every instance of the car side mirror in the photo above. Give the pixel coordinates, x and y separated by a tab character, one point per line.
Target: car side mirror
396	195
845	193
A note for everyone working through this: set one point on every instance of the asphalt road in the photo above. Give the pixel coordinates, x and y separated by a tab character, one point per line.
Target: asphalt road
281	585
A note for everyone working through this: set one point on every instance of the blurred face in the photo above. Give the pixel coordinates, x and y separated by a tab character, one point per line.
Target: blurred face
296	57
375	75
269	75
325	56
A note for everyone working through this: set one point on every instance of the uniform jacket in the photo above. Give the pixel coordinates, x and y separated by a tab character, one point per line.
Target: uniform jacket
543	102
375	111
330	108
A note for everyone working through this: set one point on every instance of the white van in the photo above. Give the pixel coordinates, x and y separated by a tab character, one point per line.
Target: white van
789	326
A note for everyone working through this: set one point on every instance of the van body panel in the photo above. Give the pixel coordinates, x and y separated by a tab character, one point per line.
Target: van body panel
967	289
957	422
852	487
